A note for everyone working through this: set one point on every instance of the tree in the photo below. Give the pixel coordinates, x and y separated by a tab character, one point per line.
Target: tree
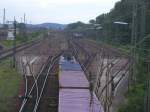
92	21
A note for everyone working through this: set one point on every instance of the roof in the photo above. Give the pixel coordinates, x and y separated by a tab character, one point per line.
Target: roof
74	93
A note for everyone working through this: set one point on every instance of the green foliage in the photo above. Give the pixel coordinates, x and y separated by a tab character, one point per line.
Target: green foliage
135	99
115	32
135	102
76	25
92	21
136	94
9	43
20	39
9	84
120	37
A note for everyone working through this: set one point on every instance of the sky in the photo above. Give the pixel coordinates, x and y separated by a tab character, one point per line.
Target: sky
55	11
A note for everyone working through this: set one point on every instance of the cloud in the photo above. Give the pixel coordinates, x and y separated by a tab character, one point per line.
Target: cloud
76	1
64	11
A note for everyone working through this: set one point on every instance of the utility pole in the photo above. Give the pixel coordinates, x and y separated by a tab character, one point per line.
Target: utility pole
143	22
148	103
14	44
24	34
133	69
4	17
147	97
24	18
21	20
143	19
143	34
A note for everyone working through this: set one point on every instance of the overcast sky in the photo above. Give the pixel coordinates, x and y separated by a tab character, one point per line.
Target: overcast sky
57	11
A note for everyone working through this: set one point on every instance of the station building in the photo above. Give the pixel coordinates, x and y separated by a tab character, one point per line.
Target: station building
7	31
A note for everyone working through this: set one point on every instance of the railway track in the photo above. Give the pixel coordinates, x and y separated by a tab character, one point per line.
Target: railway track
76	47
34	101
114	58
114	51
9	52
89	56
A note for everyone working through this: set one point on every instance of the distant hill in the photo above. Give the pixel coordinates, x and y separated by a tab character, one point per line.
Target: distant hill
54	26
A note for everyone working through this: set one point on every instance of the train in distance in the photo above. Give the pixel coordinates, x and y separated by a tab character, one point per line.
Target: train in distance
77	35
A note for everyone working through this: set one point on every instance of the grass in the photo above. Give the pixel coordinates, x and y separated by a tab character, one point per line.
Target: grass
9	78
135	100
136	94
9	43
125	49
19	40
9	84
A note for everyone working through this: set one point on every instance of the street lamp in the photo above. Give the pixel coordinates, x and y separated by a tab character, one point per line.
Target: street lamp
121	23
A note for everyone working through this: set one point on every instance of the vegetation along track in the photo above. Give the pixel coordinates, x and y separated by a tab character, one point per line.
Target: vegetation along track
11	51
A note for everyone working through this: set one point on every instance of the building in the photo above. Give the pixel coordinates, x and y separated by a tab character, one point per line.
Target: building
10	34
3	32
7	31
10	30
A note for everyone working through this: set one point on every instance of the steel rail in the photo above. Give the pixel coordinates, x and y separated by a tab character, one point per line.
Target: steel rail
76	47
9	52
39	97
116	74
38	75
35	82
37	104
75	51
